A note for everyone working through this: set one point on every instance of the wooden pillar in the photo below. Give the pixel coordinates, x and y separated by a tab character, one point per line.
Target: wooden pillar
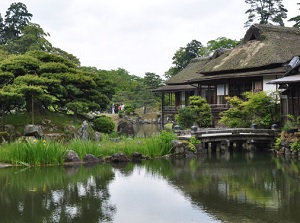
162	110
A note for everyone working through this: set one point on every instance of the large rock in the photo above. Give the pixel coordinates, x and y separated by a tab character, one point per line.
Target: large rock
33	130
125	127
72	156
180	148
118	157
90	158
82	133
136	156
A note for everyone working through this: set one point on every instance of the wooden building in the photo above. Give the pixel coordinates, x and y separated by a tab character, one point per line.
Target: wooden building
263	55
289	86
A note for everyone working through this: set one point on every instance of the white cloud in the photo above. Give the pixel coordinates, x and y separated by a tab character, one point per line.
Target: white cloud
137	35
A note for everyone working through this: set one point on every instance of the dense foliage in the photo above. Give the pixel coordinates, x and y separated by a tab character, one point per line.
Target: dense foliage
197	112
42	152
195	49
202	110
104	124
296	19
36	76
183	56
186	117
259	108
266	11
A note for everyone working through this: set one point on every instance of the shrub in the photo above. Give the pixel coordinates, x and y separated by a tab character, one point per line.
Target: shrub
129	109
197	112
277	143
103	124
295	146
259	108
202	110
186	117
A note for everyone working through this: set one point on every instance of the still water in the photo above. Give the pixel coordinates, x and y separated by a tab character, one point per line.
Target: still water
229	187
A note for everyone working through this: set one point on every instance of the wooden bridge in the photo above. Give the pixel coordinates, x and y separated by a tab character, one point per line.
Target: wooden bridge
227	138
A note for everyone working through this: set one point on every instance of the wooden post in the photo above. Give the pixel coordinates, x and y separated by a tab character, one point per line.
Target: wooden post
162	110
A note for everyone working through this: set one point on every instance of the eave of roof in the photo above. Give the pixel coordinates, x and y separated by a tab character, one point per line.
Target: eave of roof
279	71
173	88
286	80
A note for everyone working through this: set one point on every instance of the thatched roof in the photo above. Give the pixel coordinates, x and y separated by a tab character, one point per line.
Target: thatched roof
179	81
264	46
265	50
189	72
279	71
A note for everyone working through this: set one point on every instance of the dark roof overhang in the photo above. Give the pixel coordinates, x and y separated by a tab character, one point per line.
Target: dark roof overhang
174	88
286	80
279	71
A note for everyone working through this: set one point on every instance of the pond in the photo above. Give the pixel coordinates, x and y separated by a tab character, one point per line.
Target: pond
146	130
227	187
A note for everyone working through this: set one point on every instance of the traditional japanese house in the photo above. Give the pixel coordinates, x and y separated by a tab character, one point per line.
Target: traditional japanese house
289	86
262	56
175	94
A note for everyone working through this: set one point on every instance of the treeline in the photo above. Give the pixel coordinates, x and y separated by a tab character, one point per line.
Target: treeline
36	76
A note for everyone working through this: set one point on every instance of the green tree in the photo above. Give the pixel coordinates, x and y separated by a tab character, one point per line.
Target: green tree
198	112
52	82
2	37
202	110
16	18
296	19
186	117
32	38
145	97
183	56
266	11
219	43
259	108
104	124
152	80
236	116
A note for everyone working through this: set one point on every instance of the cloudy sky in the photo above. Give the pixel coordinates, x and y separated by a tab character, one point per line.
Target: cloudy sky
137	35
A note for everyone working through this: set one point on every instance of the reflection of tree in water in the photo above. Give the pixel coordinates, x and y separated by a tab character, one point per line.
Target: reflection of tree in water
235	187
51	195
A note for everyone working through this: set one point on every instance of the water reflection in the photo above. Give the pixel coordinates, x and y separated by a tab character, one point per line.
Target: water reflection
158	201
221	187
54	194
146	130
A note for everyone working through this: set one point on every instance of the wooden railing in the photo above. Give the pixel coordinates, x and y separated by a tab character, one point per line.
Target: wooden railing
171	109
219	106
214	108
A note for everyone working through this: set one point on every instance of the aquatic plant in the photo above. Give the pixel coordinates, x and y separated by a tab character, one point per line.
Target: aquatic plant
35	152
277	143
42	152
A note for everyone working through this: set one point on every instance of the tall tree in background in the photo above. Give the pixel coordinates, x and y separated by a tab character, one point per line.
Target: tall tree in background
146	97
219	43
16	18
183	56
296	19
33	38
266	11
2	38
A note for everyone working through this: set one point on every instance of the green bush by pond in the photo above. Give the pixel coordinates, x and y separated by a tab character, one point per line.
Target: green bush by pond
42	152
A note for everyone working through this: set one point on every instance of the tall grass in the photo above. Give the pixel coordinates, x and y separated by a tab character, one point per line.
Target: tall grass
36	152
41	152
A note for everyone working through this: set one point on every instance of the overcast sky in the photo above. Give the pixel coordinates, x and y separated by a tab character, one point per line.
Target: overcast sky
137	35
